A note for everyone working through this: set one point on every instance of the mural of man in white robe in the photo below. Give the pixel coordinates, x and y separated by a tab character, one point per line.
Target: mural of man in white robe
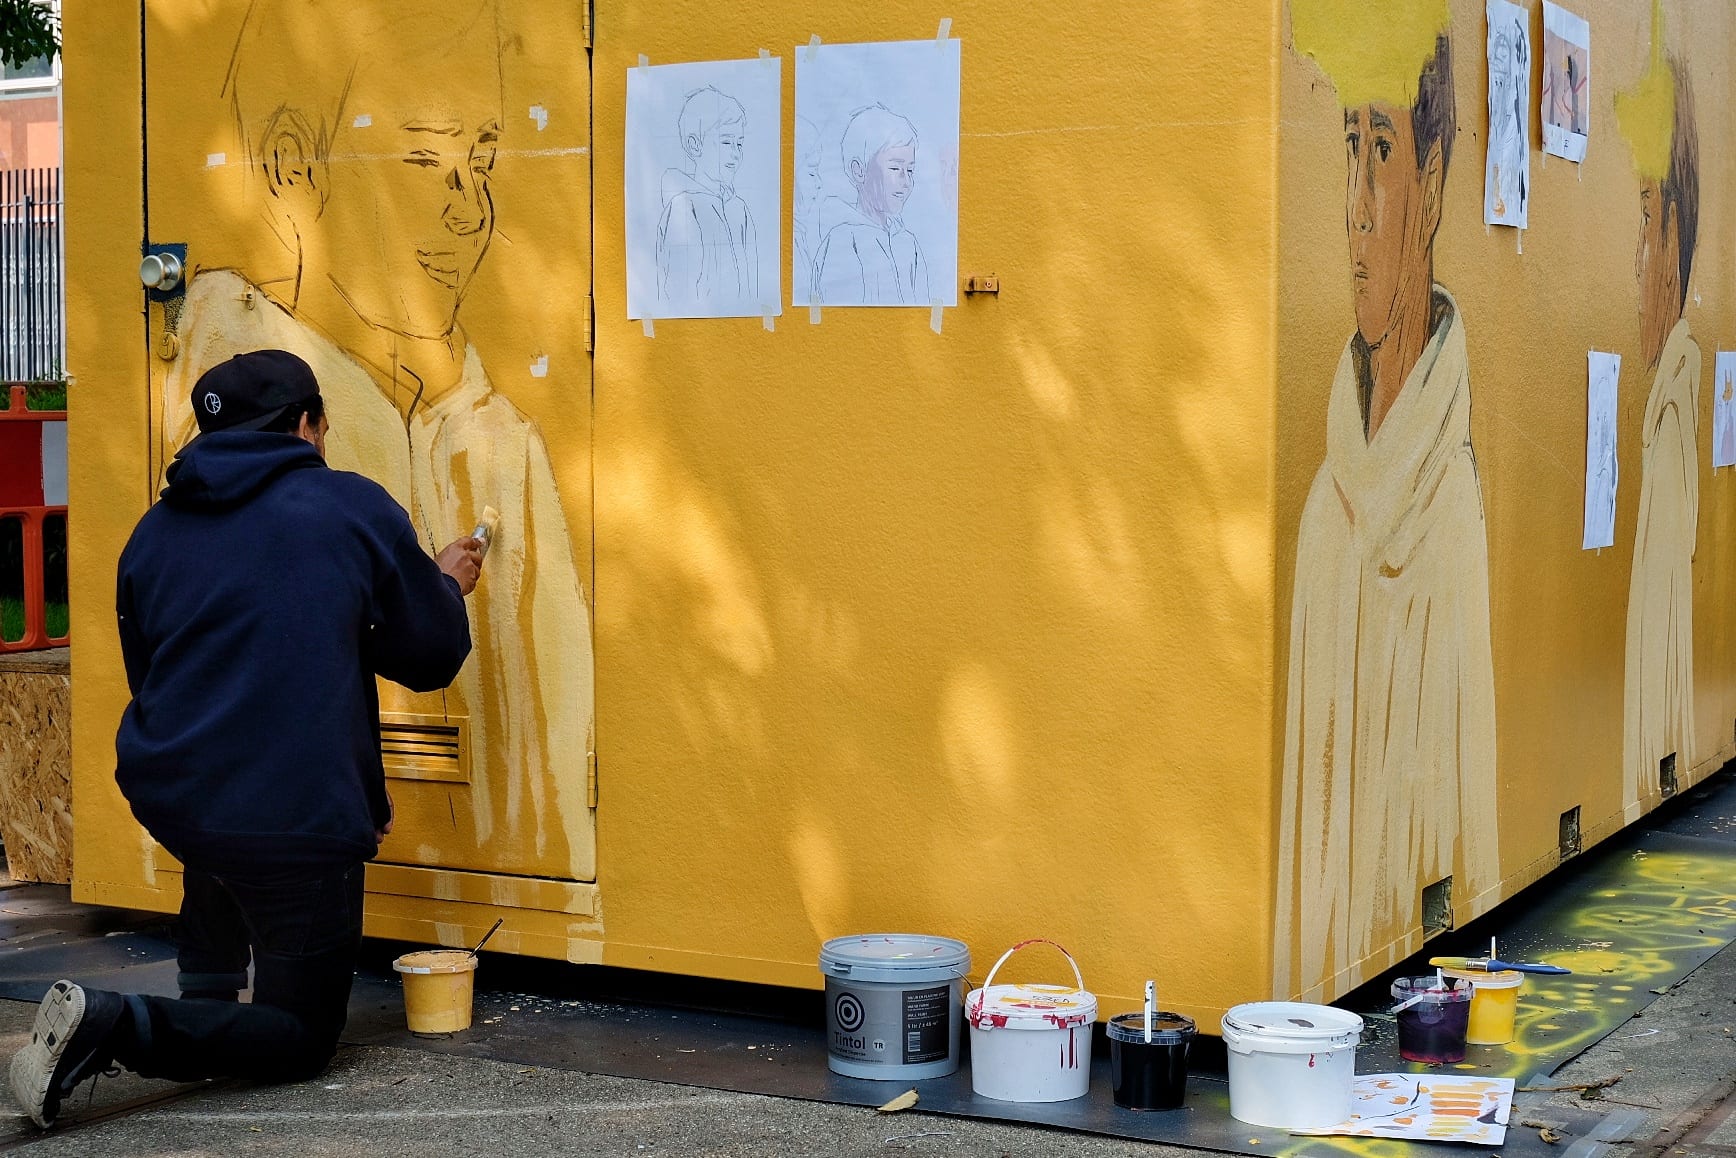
1657	117
1389	743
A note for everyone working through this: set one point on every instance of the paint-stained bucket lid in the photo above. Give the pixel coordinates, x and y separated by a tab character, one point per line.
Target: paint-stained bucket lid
1289	1027
1019	1006
895	958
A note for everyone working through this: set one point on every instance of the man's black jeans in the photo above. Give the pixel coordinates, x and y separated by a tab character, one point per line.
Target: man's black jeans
303	931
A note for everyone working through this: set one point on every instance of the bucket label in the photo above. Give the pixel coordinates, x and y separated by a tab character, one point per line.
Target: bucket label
890	1026
927	1024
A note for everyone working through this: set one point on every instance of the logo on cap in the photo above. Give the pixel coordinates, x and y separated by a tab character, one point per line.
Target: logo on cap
213	403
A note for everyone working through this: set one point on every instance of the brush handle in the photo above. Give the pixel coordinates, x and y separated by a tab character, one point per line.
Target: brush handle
1527	967
1491	965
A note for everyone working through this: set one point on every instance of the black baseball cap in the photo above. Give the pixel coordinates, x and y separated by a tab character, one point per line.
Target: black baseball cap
250	390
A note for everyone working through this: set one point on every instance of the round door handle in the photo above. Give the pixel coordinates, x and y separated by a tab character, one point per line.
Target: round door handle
160	271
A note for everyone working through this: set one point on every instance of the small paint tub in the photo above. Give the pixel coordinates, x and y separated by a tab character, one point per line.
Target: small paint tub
1432	1019
892	1005
1031	1043
438	988
1494	1004
1292	1065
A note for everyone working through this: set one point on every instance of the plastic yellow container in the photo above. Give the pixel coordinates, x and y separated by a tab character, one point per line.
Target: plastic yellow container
438	987
1494	1004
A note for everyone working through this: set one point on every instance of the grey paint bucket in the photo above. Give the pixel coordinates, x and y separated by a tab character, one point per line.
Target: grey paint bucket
893	1004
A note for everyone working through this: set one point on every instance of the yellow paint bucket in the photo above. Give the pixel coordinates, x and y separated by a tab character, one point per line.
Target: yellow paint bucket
1494	1004
438	986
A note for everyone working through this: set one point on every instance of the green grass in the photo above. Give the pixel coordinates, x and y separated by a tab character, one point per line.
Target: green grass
12	620
45	396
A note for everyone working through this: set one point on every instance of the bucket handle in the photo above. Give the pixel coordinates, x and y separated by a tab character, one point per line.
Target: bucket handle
989	980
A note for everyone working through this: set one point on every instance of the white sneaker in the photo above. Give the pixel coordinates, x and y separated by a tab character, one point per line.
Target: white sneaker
71	1025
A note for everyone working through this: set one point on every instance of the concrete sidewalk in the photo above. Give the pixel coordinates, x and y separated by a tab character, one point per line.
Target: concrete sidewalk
1676	1061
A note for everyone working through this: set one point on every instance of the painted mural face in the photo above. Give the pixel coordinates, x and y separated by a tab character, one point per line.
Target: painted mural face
407	224
1386	214
1657	265
370	134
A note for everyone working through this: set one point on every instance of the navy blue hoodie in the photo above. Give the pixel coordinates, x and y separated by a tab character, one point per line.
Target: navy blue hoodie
256	603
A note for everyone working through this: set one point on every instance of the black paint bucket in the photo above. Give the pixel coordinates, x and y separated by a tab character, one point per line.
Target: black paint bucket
1149	1075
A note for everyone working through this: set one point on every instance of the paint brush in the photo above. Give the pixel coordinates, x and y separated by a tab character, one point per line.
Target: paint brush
1406	1004
1150	1007
1440	986
491	931
1495	965
486	528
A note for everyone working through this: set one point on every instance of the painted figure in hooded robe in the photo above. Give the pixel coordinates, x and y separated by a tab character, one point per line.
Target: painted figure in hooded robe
1657	118
1389	739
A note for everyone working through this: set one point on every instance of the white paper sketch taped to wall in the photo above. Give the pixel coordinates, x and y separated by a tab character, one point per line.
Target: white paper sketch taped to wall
702	189
1724	409
1601	471
1566	82
877	126
1507	172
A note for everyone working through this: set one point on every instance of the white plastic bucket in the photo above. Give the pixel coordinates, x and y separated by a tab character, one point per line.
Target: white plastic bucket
1031	1043
892	1002
1292	1065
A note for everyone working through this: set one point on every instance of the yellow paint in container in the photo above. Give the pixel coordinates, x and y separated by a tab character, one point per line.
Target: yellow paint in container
438	988
1494	1004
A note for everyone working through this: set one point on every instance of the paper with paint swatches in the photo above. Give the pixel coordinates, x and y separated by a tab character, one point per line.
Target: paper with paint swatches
1428	1108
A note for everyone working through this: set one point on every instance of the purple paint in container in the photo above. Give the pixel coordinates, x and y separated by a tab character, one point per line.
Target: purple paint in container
1433	1018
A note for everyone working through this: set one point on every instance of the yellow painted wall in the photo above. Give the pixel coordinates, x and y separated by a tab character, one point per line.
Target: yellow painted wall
1558	615
961	633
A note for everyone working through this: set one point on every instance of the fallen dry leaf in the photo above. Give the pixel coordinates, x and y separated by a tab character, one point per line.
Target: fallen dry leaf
902	1102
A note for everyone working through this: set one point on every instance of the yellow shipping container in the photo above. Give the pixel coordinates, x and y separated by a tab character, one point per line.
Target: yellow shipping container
1173	601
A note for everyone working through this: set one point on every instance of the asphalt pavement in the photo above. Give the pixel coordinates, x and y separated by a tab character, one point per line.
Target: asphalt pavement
1676	1063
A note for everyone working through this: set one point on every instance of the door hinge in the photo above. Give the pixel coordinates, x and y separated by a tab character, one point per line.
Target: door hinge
590	325
590	780
586	16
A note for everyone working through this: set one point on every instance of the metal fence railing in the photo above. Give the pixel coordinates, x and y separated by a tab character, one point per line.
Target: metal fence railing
32	325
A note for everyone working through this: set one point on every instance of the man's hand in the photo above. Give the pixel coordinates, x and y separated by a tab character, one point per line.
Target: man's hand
380	834
462	559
